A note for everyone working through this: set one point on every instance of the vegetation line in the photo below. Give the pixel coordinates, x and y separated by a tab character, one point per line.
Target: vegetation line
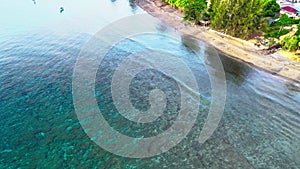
235	47
259	20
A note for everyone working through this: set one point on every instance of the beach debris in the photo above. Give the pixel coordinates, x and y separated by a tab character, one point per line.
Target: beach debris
272	49
61	9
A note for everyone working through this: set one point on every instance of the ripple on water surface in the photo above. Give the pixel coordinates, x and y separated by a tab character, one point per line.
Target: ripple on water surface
260	127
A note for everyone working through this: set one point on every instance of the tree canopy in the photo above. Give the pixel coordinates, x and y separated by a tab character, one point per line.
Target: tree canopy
239	18
271	8
195	10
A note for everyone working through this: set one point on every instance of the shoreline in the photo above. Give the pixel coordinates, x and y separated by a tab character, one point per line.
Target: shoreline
235	48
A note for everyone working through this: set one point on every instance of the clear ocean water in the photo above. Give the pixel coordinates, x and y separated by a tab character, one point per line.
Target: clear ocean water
260	127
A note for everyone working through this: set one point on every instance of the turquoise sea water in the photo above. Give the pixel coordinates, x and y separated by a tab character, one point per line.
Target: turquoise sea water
39	46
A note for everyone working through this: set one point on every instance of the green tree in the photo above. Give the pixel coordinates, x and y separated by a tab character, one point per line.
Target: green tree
171	2
285	20
298	30
290	43
271	8
195	10
293	43
181	3
239	18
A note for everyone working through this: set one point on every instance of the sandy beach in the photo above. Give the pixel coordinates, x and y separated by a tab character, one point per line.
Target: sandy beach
236	48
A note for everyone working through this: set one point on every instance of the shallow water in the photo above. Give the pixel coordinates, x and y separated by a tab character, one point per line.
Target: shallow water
39	46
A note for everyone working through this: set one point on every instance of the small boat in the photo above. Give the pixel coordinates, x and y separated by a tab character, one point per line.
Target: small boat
61	9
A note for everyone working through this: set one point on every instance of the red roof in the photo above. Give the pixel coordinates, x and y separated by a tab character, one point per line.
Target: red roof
290	9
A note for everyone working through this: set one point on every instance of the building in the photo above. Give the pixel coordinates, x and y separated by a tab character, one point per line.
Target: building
294	1
290	11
